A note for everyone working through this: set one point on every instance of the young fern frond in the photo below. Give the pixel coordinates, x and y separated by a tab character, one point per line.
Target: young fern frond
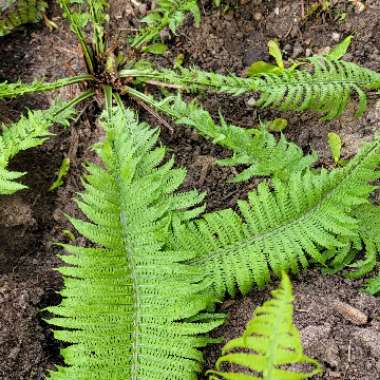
12	90
167	13
14	13
325	86
30	131
131	310
279	229
271	343
254	147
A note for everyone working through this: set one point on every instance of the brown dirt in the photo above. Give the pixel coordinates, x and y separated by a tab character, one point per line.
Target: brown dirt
229	41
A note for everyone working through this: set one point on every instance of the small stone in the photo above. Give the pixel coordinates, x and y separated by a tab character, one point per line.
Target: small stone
351	313
257	16
308	52
335	37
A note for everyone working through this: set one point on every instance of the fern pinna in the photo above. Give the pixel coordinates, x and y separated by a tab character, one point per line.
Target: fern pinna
131	310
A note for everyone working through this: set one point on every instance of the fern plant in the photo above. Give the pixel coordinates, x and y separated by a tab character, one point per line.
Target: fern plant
118	308
139	303
14	13
270	346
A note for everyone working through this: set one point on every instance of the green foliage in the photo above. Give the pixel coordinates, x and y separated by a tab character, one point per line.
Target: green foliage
132	310
360	255
326	88
271	344
14	13
30	131
256	148
280	229
335	145
324	85
12	90
166	14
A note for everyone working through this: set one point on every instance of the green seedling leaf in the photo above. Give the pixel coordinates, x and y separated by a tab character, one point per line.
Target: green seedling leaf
276	125
63	170
158	48
68	234
179	60
335	144
341	49
275	52
261	67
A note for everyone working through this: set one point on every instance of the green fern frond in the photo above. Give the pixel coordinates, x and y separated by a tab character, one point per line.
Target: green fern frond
325	86
14	13
30	131
254	147
130	309
167	13
271	344
279	229
11	90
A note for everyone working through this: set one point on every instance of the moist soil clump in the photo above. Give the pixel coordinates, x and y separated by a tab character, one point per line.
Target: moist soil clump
228	40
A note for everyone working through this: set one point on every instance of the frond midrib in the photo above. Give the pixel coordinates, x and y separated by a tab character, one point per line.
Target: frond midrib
240	245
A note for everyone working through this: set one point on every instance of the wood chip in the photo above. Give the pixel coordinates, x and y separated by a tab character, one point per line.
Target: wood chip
350	313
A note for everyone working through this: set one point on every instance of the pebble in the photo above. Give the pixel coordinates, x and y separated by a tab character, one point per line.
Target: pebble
335	37
351	313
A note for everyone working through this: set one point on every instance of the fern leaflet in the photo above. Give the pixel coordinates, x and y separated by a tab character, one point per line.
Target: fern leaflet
130	309
271	343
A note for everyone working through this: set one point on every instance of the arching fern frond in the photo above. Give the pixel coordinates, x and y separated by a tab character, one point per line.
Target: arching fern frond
30	131
14	13
255	147
326	88
324	85
167	13
130	309
271	344
11	90
279	229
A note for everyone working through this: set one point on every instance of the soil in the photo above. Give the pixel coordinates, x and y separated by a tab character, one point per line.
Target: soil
228	40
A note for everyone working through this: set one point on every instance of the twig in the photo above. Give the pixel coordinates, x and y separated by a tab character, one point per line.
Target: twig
155	114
